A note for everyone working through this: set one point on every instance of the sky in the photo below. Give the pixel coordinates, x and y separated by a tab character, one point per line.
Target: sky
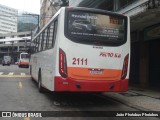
31	6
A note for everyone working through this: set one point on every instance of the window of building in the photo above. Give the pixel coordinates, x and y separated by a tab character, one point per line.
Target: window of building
2	37
21	35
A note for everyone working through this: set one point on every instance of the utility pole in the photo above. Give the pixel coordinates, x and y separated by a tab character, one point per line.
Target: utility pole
12	59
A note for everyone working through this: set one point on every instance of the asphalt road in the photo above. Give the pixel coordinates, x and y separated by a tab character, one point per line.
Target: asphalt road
19	93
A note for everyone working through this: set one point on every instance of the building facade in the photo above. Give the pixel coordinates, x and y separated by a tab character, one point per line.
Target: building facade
13	44
47	9
8	19
145	35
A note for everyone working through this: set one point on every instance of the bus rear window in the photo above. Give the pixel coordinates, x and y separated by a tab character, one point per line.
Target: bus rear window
23	56
92	27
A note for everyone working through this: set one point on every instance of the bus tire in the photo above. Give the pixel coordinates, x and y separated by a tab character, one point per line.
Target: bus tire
30	71
40	88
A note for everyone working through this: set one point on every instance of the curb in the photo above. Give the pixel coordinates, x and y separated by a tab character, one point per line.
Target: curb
127	103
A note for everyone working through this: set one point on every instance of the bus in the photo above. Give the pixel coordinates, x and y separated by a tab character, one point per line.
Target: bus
23	60
82	50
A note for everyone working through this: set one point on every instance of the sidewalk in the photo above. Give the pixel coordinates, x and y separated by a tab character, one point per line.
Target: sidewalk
142	99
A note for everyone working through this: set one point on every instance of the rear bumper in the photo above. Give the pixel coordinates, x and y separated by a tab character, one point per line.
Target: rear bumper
4	63
24	63
72	85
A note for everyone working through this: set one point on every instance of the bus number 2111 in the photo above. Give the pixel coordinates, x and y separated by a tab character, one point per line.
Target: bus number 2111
79	61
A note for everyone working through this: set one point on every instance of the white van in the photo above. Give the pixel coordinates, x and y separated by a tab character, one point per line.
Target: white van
6	60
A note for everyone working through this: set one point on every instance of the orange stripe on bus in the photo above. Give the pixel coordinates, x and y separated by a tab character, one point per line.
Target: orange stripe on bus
84	73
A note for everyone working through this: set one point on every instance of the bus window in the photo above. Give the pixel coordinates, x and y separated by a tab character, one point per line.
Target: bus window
88	27
23	56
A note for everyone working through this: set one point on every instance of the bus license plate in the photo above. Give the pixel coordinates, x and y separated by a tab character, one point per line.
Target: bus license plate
95	71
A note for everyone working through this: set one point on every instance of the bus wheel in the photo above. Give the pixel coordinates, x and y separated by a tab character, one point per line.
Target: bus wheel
30	70
40	88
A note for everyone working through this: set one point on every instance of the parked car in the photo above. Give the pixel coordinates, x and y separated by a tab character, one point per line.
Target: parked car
6	60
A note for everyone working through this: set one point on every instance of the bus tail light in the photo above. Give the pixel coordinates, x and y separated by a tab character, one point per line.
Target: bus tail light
62	63
125	67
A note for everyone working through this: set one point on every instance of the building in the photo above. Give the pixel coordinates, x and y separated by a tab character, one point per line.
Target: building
145	35
8	19
13	44
48	9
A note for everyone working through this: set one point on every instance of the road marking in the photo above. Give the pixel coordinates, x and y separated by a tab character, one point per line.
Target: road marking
1	73
26	118
14	76
20	84
11	73
23	74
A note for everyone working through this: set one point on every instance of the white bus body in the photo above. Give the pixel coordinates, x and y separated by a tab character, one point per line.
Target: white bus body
82	50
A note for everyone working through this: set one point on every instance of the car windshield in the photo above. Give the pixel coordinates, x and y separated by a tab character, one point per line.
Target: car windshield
7	57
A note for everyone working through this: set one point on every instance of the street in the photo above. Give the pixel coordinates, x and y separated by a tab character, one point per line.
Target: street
19	93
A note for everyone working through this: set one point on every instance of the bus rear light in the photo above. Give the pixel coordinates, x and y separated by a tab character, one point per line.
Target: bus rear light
125	67
62	63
